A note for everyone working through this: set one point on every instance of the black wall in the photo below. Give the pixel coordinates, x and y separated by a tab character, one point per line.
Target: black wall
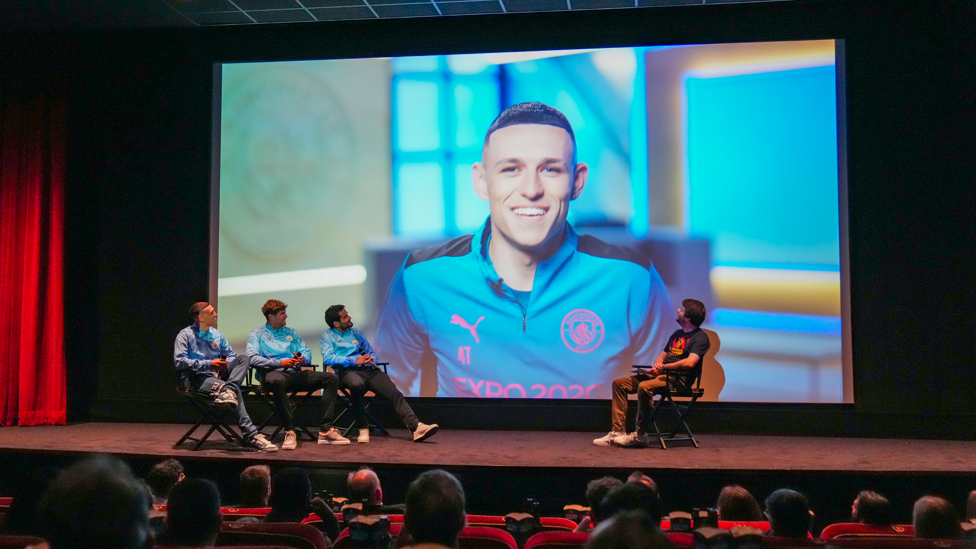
139	142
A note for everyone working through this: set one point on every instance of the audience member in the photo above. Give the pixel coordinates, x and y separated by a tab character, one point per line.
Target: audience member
872	508
630	497
971	507
735	503
638	476
292	501
23	517
193	514
435	512
364	487
595	490
162	477
629	530
96	503
255	486
789	514
935	518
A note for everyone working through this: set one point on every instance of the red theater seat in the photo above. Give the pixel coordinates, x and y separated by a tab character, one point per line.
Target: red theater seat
855	530
228	546
479	537
896	542
19	542
299	536
730	524
556	540
681	540
549	524
236	512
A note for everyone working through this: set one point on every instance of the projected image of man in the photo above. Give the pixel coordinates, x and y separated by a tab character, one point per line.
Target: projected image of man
525	307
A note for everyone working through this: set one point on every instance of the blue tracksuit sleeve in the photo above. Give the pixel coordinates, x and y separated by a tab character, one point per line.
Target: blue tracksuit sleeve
226	349
304	350
181	356
401	338
253	351
329	355
366	346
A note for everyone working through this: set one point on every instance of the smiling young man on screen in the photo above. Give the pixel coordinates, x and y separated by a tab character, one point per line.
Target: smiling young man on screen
524	308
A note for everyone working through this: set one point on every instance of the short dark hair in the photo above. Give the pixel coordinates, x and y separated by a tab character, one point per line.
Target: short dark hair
631	497
362	485
193	513
163	476
435	509
629	530
638	476
332	314
273	307
532	112
935	518
291	493
196	308
872	508
789	514
737	503
596	490
96	503
694	311
255	481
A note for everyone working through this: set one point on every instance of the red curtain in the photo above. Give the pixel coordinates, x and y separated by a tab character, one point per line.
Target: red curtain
32	355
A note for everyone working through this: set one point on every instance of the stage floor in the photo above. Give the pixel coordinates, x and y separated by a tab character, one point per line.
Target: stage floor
519	450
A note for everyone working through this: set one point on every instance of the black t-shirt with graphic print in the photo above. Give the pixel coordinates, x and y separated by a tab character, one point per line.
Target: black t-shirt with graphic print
682	344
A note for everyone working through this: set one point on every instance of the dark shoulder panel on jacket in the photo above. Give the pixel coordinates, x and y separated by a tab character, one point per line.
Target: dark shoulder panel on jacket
455	247
590	245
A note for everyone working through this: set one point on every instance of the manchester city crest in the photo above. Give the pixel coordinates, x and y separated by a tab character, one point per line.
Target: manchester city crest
582	330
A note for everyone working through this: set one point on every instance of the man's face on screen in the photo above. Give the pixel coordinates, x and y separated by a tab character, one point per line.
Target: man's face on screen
527	176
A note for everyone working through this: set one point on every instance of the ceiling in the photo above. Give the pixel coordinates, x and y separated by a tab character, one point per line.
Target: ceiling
27	15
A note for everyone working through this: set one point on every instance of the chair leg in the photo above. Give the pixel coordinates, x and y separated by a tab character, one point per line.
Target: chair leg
188	435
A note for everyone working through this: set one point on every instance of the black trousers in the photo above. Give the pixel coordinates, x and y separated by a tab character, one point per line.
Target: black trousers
360	379
280	384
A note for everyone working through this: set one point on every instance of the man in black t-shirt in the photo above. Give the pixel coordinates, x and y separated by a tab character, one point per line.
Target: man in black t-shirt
683	355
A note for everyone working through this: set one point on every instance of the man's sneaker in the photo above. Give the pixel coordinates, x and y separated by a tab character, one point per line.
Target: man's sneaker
608	438
363	435
332	437
291	441
633	440
258	442
424	432
226	399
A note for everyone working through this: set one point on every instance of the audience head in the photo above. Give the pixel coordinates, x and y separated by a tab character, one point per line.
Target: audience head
637	476
872	508
364	487
96	503
163	476
23	517
971	506
596	490
934	517
629	530
789	514
630	497
737	504
435	509
291	494
255	486
193	513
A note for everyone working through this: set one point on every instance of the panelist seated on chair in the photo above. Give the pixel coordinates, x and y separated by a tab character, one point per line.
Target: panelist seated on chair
207	363
354	360
682	357
277	354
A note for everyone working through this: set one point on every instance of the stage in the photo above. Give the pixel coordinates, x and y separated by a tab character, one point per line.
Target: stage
518	450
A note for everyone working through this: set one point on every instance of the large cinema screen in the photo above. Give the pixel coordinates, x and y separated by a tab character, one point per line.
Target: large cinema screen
714	172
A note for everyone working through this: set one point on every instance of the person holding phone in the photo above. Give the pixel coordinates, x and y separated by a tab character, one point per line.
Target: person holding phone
278	353
206	362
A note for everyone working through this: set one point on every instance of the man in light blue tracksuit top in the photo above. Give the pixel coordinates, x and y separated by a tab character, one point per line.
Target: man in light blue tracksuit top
206	362
525	307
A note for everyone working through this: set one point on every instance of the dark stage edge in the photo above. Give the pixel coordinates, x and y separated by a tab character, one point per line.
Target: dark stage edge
519	450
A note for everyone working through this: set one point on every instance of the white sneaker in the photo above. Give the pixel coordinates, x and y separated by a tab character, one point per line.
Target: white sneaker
258	442
424	431
363	435
332	437
608	438
633	440
291	441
